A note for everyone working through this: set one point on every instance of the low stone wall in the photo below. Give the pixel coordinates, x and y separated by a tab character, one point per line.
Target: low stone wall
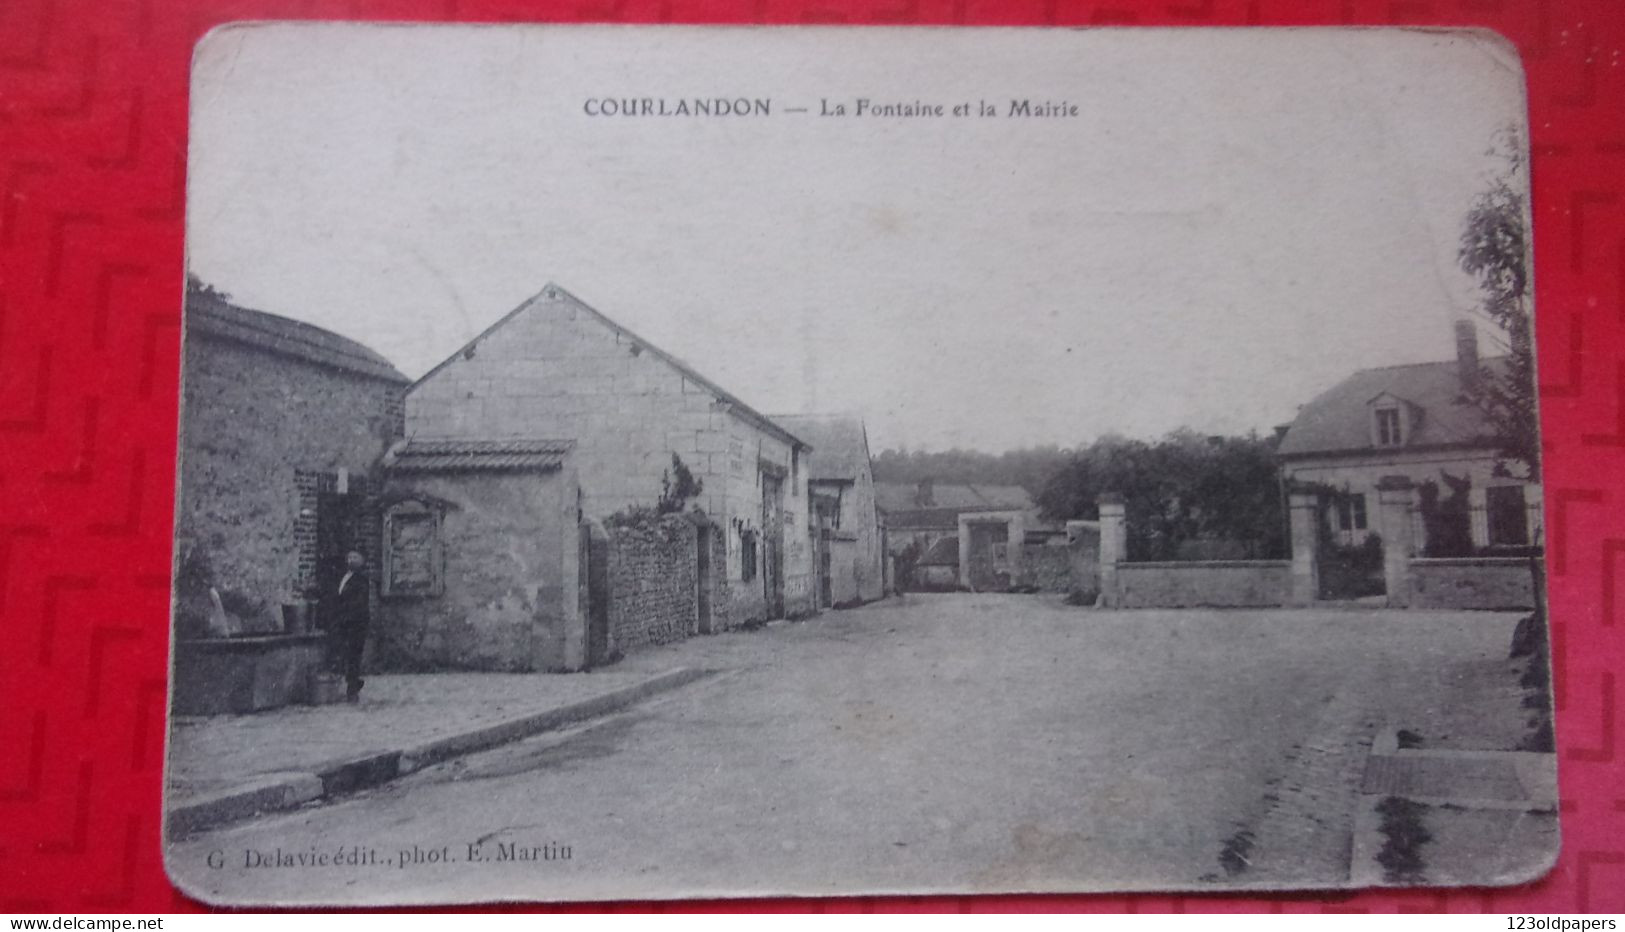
1216	583
1045	568
1472	582
215	676
653	582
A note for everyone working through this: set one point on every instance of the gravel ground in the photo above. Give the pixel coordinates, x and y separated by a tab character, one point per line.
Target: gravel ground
948	743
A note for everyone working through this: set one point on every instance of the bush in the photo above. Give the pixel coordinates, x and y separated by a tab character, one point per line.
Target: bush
1351	572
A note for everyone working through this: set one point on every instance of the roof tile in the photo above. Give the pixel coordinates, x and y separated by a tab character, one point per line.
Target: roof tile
477	455
1339	419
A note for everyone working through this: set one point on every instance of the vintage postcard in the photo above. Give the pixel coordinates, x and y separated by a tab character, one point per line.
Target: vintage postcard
675	462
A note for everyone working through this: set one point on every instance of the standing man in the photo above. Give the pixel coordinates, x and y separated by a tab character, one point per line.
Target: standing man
347	619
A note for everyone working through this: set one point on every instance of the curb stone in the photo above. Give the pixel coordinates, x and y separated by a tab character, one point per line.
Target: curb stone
288	790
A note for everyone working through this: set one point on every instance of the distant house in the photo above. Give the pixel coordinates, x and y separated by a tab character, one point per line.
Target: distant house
992	526
1413	421
937	567
282	428
852	558
921	513
556	370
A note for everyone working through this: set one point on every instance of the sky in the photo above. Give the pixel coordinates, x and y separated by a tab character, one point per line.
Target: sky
1232	221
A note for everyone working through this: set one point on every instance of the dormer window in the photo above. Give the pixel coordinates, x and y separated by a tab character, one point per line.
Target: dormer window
1389	428
1393	420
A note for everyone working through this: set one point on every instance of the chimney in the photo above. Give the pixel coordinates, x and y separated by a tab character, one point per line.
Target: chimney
1467	355
925	494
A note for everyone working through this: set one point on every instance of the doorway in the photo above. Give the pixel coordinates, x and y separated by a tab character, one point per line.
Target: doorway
336	536
703	579
989	556
773	543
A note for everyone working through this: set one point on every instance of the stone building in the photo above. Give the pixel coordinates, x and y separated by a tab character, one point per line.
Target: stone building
1416	422
851	559
479	566
556	368
282	426
922	513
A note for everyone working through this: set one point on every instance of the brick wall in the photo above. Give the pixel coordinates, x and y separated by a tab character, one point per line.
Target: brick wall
1223	584
261	434
1472	582
653	576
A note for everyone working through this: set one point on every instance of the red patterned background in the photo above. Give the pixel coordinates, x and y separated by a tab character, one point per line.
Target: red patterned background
92	180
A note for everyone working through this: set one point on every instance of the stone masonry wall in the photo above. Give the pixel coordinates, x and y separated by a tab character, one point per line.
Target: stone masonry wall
653	581
252	424
509	543
1047	569
1222	584
1481	582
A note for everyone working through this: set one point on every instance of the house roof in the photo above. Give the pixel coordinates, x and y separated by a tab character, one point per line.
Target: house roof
554	292
1339	419
211	315
840	445
477	455
942	552
897	498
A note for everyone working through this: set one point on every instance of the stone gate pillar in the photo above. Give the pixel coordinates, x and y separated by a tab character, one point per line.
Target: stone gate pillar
1396	498
1083	557
1478	516
1533	501
1113	546
1304	512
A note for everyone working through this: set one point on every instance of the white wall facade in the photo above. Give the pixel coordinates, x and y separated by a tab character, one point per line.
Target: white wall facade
555	369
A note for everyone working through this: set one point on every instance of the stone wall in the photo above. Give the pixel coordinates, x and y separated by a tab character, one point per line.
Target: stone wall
652	579
1219	584
1471	582
1045	568
860	518
509	543
253	424
845	565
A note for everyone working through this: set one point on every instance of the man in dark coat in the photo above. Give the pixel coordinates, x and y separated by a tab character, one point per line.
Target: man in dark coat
349	610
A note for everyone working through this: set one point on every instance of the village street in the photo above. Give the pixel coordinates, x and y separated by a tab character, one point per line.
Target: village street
934	743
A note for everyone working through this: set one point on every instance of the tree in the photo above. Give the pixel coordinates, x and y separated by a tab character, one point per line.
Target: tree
677	487
199	287
1182	489
1495	252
